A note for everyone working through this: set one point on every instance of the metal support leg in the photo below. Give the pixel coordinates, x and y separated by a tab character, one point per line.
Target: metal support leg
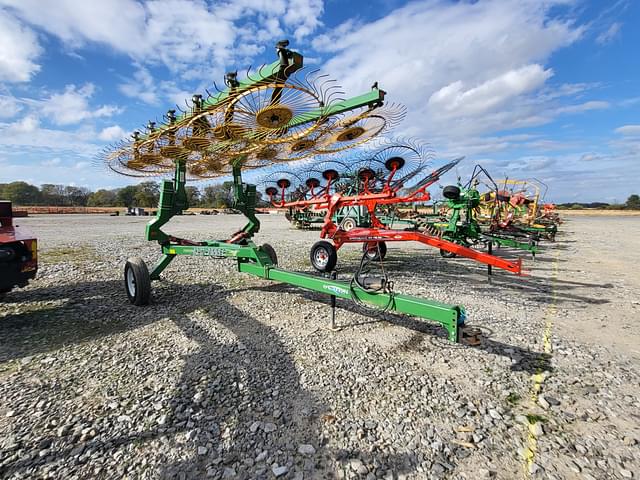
489	267
164	261
244	199
173	200
334	276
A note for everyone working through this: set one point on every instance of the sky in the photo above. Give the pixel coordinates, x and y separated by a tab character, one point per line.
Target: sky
545	89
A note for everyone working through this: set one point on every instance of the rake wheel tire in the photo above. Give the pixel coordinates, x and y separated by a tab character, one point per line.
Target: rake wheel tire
376	253
446	254
452	192
348	224
323	256
270	251
137	281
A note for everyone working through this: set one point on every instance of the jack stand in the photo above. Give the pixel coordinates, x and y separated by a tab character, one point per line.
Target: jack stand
489	269
332	327
471	336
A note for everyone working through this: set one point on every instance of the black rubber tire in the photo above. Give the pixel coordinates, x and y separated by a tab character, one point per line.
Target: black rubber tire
451	192
3	292
348	223
323	256
138	287
447	254
374	255
270	251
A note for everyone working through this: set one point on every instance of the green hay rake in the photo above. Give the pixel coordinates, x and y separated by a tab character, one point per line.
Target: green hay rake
461	224
271	116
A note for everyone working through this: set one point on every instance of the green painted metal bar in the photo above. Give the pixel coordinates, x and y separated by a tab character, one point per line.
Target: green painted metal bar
373	97
164	261
451	317
508	242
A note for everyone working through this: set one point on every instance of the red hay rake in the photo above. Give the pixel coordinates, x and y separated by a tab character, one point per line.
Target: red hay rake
391	174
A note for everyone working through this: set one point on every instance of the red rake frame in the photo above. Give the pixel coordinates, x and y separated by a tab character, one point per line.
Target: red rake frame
322	198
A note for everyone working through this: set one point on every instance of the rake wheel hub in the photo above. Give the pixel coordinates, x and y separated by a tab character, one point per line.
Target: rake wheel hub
274	116
350	134
171	151
267	153
301	145
150	159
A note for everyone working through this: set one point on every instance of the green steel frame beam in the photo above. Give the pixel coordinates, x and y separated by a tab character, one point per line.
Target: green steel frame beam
451	317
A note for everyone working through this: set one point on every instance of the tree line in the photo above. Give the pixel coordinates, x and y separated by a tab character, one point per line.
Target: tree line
145	194
632	203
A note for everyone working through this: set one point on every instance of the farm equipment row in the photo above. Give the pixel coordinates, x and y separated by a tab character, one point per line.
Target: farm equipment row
497	216
278	115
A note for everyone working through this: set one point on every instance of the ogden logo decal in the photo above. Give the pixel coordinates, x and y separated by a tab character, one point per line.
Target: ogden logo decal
335	289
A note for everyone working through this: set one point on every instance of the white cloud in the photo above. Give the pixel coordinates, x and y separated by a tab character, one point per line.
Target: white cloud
177	33
481	64
550	145
51	163
28	124
609	34
142	86
110	134
304	15
72	106
584	107
116	22
630	130
27	135
493	93
19	49
9	106
590	157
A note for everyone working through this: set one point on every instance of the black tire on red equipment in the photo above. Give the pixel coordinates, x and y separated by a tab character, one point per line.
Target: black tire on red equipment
452	192
348	224
330	256
375	254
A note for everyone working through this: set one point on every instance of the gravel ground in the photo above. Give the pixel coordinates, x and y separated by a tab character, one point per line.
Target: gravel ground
229	376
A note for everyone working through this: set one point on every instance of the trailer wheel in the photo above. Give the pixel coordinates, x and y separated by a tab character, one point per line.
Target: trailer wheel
375	251
269	250
323	256
348	224
137	281
452	192
446	254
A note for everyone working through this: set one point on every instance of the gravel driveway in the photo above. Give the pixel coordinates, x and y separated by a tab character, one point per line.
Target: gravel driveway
230	376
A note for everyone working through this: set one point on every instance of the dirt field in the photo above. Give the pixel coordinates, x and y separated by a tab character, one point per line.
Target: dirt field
229	376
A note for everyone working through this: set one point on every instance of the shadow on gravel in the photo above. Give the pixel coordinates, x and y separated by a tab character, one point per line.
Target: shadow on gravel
65	314
502	283
236	399
522	359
